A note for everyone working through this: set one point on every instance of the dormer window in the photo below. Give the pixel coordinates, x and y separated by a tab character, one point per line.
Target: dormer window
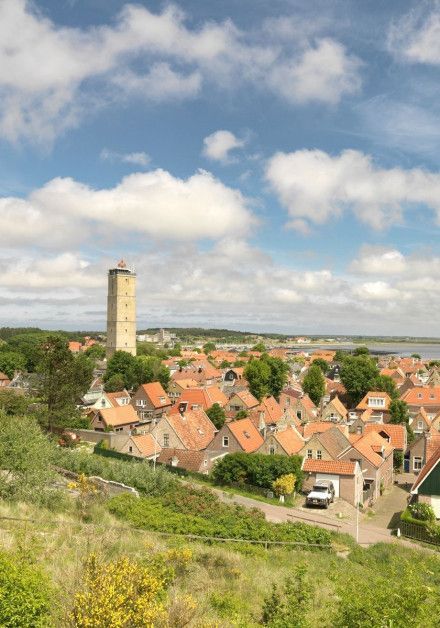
419	395
376	402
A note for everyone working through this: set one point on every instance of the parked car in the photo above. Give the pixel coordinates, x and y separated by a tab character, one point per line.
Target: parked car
322	494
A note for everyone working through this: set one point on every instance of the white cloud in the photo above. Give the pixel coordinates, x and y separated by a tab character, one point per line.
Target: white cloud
416	36
154	204
315	186
378	261
218	145
51	76
377	291
136	158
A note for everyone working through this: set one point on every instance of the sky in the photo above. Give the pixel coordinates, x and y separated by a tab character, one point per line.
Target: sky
264	166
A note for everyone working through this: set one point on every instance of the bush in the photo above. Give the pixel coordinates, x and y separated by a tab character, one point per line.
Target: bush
25	594
256	469
423	512
191	511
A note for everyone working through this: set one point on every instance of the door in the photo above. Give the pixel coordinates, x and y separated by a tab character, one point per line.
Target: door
435	503
330	478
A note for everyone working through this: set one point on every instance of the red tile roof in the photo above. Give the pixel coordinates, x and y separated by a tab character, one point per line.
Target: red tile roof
422	396
363	405
121	415
272	410
156	394
146	443
368	443
317	427
290	440
396	433
247	398
202	397
194	428
246	434
114	396
335	467
186	459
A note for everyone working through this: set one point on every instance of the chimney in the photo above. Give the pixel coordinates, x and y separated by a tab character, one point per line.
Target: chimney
183	406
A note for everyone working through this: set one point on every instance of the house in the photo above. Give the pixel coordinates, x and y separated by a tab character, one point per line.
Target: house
427	397
304	409
375	456
205	398
150	402
375	406
396	374
346	476
287	397
112	399
195	461
241	401
318	427
141	446
233	375
284	442
334	411
393	434
75	347
176	388
426	488
328	445
241	435
421	422
119	419
269	412
420	451
4	380
190	429
94	393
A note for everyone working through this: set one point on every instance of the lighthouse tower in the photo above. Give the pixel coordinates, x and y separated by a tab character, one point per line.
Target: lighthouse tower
121	310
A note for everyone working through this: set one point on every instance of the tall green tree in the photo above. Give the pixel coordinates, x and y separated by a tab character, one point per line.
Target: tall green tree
314	384
123	364
361	351
257	373
323	364
217	415
399	415
150	369
386	384
95	352
63	379
358	374
260	346
208	347
279	372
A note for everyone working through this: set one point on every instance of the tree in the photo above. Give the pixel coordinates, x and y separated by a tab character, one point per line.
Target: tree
257	373
217	415
11	402
386	384
123	364
416	356
95	352
25	456
314	384
399	415
209	347
361	351
115	383
279	372
63	379
12	361
358	374
241	414
339	356
284	485
30	344
434	363
323	364
260	346
150	369
225	364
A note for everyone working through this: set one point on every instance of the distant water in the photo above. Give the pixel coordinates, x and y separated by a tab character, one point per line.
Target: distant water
426	351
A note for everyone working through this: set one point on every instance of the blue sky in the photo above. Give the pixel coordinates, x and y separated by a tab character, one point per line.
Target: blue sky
269	166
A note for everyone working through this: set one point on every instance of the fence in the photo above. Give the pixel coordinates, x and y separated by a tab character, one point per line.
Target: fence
418	532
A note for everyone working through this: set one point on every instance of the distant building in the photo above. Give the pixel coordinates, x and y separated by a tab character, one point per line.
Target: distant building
121	310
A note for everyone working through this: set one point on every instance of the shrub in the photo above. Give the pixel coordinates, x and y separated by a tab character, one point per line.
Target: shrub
289	606
423	512
256	469
284	485
25	594
118	594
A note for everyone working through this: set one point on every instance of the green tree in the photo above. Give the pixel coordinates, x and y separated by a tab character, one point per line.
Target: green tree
150	369
123	364
386	384
95	352
434	363
339	356
145	348
358	374
12	361
63	379
260	346
399	415
25	594
241	414
361	351
279	372
416	356
209	347
225	364
30	345
217	415
257	373
314	384
25	456
11	402
115	383
323	365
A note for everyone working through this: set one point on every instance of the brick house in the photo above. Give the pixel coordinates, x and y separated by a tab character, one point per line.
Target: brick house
150	402
242	400
191	429
420	451
241	435
198	461
141	446
334	411
375	406
346	476
328	445
119	419
285	442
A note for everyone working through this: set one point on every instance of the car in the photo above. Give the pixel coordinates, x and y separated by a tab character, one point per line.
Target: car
322	494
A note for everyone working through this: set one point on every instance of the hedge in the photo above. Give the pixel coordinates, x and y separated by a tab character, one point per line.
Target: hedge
256	469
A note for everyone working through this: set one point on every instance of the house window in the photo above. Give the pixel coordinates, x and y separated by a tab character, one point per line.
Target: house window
225	442
359	430
272	450
417	463
130	449
299	414
376	402
166	440
309	454
420	425
319	455
419	395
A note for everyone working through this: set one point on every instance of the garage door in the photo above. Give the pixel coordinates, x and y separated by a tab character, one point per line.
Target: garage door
435	503
331	478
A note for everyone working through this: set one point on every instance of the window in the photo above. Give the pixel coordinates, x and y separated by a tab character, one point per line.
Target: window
376	402
359	430
419	395
420	425
272	450
130	449
166	440
319	455
225	442
309	453
299	414
417	463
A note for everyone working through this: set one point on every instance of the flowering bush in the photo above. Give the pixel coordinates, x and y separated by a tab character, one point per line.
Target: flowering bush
421	511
